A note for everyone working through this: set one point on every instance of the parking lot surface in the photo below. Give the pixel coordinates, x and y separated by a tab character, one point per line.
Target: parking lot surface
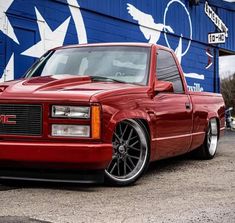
174	190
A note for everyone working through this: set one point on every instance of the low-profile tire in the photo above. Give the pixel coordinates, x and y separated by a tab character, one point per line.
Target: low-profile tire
209	147
130	154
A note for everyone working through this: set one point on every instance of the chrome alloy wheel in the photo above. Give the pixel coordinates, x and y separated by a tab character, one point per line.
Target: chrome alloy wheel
208	149
130	153
212	137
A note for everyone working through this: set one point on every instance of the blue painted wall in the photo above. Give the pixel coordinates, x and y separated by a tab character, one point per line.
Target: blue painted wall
110	21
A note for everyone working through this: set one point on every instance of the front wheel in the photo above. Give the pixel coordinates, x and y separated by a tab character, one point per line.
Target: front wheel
130	154
209	147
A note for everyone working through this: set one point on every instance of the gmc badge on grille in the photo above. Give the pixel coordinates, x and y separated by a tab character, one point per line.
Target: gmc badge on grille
8	119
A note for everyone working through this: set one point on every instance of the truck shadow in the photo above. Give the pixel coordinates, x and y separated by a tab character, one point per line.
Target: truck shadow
20	219
16	185
170	164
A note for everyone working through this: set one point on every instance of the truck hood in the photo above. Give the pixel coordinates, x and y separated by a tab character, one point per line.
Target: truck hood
57	87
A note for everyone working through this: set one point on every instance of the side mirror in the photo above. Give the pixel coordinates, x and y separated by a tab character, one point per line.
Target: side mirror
163	86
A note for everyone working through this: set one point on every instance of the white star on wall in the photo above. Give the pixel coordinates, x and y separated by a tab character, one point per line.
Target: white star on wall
49	39
8	73
5	25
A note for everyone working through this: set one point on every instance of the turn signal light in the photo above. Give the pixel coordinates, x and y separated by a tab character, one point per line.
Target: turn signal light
95	122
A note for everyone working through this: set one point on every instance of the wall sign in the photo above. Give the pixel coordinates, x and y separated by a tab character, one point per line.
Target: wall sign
216	19
214	38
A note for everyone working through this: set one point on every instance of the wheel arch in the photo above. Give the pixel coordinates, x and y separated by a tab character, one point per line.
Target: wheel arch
215	116
137	115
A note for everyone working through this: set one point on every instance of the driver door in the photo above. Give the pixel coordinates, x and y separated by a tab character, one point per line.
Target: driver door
173	110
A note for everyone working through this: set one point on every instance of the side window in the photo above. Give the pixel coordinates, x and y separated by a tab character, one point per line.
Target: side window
167	70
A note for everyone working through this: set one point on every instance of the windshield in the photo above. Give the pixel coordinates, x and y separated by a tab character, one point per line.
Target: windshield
122	63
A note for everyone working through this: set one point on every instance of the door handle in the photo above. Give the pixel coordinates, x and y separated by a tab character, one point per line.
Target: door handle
188	105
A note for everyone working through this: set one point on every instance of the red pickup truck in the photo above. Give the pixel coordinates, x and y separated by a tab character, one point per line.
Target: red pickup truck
88	113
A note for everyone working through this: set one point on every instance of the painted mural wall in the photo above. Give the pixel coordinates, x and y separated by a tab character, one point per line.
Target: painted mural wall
28	28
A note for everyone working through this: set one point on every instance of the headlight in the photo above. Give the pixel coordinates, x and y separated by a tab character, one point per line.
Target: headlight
61	111
70	130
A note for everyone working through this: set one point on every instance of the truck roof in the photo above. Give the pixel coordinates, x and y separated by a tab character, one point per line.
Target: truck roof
138	44
110	44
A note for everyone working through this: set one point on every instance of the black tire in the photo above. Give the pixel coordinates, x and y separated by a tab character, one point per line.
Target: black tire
130	154
209	147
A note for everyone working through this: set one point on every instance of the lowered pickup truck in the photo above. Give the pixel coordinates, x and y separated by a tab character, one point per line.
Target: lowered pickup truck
88	113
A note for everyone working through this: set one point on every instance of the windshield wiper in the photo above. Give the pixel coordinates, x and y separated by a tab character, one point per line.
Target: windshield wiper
108	79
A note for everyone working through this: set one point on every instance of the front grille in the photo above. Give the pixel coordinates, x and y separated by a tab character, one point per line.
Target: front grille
28	119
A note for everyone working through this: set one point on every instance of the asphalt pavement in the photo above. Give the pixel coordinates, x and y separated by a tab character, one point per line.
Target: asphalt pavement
174	190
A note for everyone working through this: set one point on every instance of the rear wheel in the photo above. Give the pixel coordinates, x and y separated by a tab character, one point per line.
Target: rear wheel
130	154
209	147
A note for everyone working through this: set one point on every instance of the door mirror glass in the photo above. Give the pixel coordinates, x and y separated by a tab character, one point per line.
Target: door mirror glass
163	86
